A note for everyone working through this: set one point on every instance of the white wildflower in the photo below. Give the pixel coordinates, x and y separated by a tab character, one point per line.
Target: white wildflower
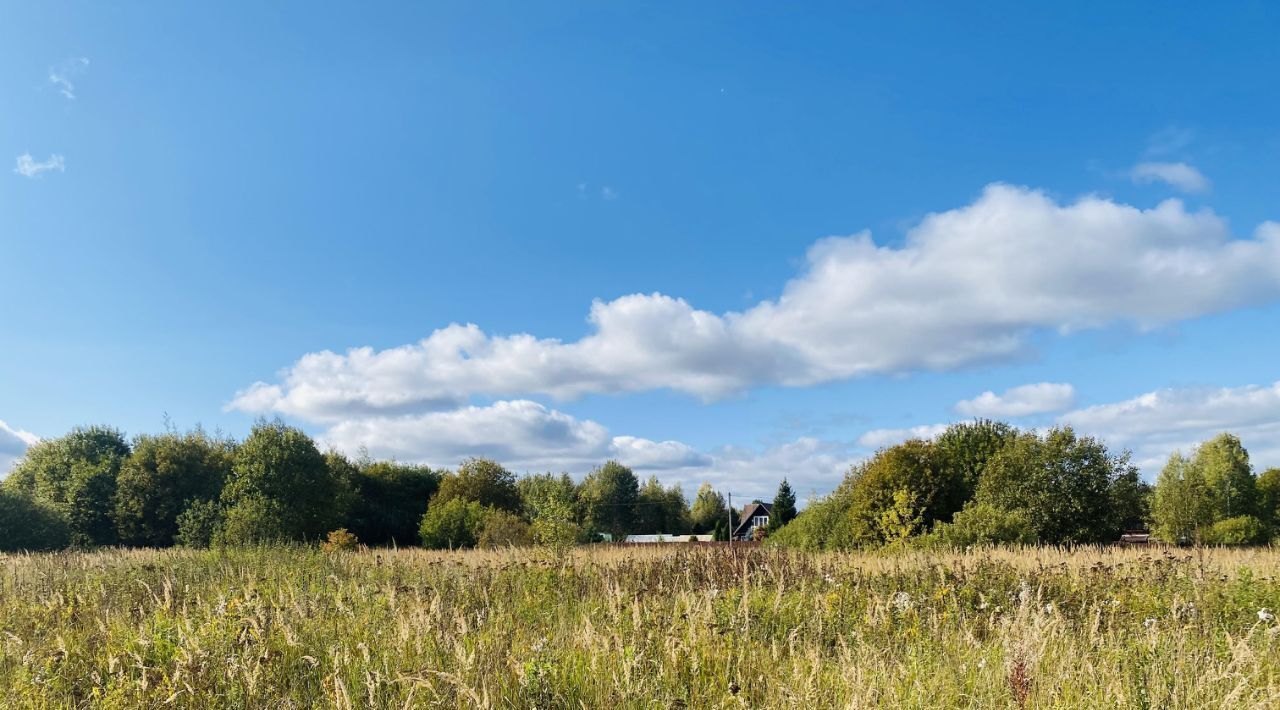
1264	614
1149	622
902	601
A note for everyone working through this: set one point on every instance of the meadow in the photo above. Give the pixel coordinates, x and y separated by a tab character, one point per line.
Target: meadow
631	627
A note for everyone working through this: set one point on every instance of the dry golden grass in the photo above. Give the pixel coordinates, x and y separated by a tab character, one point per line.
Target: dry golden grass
658	627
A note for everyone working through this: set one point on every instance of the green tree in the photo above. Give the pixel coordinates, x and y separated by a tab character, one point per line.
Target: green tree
1061	482
1228	477
483	481
708	509
451	525
555	524
609	494
1237	530
982	524
75	475
660	509
1181	508
540	492
280	488
1269	496
200	524
389	500
783	509
30	525
162	477
966	447
900	491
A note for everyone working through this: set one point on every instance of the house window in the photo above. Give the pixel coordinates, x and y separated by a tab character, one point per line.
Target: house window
760	521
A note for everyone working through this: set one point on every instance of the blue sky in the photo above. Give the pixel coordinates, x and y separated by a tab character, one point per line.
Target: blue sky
805	232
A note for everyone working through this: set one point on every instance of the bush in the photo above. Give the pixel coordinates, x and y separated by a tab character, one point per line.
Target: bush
199	524
253	520
982	524
340	540
452	524
27	524
502	529
1240	530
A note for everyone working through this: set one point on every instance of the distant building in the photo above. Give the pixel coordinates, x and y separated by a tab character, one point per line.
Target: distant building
754	516
663	537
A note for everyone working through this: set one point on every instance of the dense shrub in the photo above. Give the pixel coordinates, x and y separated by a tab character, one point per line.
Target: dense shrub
452	524
1240	530
29	524
499	528
982	524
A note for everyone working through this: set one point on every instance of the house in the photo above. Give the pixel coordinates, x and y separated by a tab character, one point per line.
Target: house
754	516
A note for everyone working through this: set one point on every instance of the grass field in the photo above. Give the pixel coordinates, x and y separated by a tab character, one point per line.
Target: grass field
639	627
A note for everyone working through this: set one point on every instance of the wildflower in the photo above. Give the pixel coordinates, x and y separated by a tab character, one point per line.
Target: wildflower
902	601
1148	622
1048	608
982	663
1264	614
1024	592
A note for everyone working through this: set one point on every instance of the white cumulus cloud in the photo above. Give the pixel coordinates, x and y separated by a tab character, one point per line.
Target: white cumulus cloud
13	444
28	166
967	286
880	438
1155	424
528	437
1179	175
522	434
1020	401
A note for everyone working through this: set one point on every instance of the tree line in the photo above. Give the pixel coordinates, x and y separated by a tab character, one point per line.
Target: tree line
979	482
92	487
986	482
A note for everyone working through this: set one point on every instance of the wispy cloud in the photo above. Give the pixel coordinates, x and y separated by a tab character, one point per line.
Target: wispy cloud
608	193
1180	175
62	75
13	444
28	166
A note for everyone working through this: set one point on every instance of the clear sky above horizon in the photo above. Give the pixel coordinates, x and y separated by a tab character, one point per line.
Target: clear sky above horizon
718	241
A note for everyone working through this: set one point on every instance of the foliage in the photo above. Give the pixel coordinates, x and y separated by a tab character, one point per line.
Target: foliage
164	475
609	495
1228	477
340	540
1181	508
902	490
1268	487
482	481
280	488
389	500
453	524
708	509
1238	530
27	524
660	510
555	525
76	476
200	524
982	524
783	509
966	447
499	528
1061	482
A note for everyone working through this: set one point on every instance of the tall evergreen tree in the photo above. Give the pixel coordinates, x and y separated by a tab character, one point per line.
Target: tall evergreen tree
783	509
